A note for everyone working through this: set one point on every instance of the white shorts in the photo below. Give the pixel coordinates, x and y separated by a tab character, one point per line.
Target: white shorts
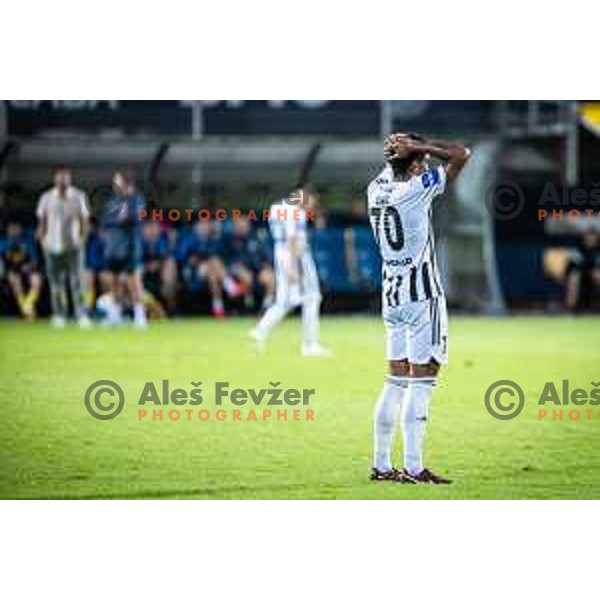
307	289
417	331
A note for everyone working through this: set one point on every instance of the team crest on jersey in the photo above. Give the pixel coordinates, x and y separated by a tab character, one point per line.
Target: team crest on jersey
430	178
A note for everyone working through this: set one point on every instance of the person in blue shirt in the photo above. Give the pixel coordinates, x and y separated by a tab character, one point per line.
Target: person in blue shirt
247	259
94	266
200	257
21	265
120	228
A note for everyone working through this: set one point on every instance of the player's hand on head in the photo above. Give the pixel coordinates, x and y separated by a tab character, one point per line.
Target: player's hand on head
397	145
404	146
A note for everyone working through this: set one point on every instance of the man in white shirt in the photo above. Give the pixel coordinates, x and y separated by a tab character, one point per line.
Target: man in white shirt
62	228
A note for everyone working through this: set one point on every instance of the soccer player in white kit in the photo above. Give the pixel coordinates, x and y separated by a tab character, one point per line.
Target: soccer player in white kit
296	277
413	302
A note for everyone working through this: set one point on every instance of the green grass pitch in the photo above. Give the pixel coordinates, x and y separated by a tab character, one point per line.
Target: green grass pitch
50	447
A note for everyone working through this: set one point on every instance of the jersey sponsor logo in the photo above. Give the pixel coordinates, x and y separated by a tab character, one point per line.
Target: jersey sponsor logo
399	263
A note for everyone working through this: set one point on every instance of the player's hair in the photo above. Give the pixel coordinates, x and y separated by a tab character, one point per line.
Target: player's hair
400	166
59	168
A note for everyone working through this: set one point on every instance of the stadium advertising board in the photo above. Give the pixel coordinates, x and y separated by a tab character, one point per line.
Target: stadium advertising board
244	117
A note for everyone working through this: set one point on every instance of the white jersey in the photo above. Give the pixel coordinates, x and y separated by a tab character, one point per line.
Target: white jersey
400	215
287	221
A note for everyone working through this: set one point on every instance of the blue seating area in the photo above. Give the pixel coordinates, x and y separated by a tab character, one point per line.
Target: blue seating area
328	251
347	258
368	259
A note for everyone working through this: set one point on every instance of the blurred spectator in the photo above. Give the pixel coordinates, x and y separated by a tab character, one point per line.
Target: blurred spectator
62	228
201	264
122	250
22	269
159	268
247	260
211	259
583	272
94	267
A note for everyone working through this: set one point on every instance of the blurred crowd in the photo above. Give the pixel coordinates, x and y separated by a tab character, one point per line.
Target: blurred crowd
205	266
582	274
211	259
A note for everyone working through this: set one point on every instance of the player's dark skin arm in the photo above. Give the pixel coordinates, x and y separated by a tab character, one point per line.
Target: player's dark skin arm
455	155
453	146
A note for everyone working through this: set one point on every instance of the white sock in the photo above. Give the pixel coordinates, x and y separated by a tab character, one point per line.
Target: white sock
113	311
310	322
385	421
139	312
414	421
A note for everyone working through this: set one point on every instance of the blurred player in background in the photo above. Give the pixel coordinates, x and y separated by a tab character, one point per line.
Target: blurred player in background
159	268
583	272
247	261
94	267
122	248
201	265
414	306
296	278
22	270
62	229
